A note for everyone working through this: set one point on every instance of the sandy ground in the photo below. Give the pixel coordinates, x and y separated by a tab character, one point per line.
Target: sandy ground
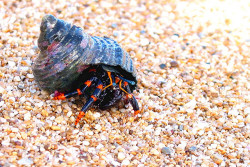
192	59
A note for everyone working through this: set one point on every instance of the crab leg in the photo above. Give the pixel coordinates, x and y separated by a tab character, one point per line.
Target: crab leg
111	78
62	96
92	99
130	96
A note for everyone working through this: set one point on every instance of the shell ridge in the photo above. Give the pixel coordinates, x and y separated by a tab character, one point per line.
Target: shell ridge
105	55
100	51
87	50
74	57
59	56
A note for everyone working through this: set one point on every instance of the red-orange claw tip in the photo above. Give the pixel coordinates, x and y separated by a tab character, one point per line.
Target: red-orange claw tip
136	112
61	97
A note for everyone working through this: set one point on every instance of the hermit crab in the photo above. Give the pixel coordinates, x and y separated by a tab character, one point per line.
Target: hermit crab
71	62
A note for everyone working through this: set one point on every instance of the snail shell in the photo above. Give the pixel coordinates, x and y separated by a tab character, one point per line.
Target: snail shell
66	51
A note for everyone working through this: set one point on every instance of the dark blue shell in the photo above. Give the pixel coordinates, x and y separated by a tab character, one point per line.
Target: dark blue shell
66	51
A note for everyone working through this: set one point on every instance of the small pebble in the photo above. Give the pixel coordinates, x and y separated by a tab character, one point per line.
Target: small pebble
247	119
144	42
181	118
154	151
98	127
192	148
20	86
142	31
174	64
30	76
44	113
1	89
247	110
17	78
166	150
125	162
115	34
162	66
55	127
177	35
71	163
180	127
39	104
59	119
86	143
24	69
114	25
217	159
32	90
121	156
11	63
25	161
27	116
9	88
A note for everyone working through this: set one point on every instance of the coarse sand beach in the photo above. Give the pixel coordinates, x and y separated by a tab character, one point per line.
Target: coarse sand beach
192	60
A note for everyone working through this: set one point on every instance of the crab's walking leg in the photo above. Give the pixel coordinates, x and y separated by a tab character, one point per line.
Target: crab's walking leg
62	96
130	96
92	99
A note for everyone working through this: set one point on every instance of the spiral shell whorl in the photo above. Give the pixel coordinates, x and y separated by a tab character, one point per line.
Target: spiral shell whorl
66	51
61	46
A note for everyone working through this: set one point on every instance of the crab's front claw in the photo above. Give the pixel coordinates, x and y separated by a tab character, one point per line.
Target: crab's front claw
59	96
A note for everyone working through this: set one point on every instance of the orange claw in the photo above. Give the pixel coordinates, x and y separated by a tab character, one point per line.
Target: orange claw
136	112
60	96
80	115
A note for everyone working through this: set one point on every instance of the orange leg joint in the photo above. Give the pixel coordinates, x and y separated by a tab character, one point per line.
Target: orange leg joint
93	97
88	83
79	91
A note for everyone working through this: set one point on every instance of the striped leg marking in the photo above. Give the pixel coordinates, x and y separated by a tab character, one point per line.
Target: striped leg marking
92	99
62	96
